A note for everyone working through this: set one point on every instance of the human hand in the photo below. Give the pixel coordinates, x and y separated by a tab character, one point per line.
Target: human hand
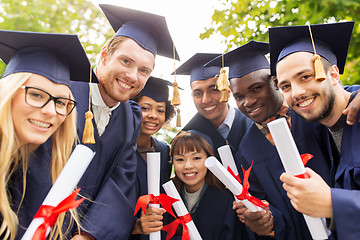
352	110
261	222
151	222
311	196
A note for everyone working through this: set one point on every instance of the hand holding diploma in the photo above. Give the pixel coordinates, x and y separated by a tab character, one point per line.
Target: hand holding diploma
233	185
293	165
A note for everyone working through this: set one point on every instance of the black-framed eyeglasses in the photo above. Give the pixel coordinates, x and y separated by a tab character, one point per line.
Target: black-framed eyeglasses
38	98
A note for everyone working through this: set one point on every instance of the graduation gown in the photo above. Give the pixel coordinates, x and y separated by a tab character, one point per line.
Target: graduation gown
215	219
345	193
236	133
265	174
110	178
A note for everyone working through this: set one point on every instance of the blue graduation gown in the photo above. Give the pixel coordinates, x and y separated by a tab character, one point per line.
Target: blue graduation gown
110	178
346	195
237	131
267	168
215	219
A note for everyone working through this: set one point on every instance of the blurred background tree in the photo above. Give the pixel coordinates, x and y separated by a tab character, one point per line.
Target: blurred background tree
245	20
79	17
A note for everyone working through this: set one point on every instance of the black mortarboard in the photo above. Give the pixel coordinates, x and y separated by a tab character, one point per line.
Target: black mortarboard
157	89
331	42
194	67
244	59
58	57
150	31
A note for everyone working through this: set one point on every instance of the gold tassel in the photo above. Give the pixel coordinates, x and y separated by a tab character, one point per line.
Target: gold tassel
88	134
318	66
176	95
178	118
223	86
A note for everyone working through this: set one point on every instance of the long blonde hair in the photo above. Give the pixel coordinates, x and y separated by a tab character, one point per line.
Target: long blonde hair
13	156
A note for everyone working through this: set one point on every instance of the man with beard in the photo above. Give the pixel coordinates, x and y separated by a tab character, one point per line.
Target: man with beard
321	100
125	64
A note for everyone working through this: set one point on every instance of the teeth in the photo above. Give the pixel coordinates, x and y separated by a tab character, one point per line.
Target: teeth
306	103
124	85
150	124
209	108
40	124
189	174
255	110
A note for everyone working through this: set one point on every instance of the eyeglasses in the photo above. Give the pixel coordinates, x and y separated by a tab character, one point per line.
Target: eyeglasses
39	98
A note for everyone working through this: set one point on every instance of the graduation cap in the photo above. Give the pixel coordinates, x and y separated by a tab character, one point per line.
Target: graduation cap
150	31
157	89
330	41
244	59
58	57
194	67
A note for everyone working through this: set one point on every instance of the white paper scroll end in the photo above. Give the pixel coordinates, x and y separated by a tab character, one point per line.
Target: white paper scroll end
290	157
228	180
153	179
180	209
65	183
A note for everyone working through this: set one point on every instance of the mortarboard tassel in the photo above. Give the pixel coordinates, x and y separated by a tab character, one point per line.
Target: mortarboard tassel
223	86
319	67
88	134
178	118
176	95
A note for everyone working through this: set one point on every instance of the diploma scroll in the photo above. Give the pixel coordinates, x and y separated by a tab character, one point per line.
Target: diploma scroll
153	179
293	164
64	184
228	161
180	209
228	180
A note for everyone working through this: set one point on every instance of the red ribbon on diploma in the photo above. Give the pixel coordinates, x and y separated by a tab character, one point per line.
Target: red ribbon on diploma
305	158
171	227
237	177
50	213
162	199
244	195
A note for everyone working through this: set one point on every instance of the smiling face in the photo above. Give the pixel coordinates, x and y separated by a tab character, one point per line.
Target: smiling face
153	115
124	73
312	99
36	125
206	98
190	168
256	95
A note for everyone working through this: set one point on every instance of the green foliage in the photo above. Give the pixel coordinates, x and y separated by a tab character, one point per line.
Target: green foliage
166	134
79	17
245	20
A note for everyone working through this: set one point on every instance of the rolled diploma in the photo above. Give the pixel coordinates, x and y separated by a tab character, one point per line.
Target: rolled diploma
153	179
228	180
228	161
180	209
65	183
293	164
